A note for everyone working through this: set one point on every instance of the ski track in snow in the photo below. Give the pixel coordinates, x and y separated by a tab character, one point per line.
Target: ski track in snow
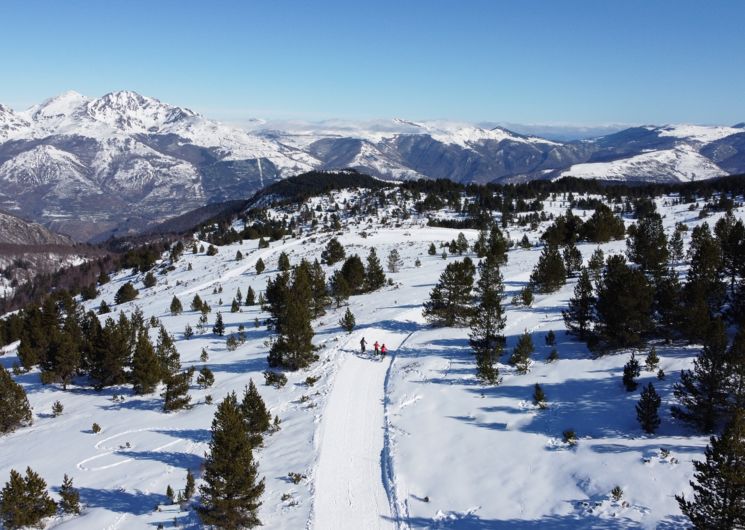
353	479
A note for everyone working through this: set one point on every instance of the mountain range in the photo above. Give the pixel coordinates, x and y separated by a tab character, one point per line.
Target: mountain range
96	167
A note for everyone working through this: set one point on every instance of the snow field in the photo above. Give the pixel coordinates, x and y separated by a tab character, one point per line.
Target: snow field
412	441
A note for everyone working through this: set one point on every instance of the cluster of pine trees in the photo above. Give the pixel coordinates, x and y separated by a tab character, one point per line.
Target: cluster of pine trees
25	501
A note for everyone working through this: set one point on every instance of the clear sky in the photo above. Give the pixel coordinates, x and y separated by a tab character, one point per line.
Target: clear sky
552	61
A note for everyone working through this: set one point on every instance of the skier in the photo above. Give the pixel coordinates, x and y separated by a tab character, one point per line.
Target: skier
377	347
383	351
363	344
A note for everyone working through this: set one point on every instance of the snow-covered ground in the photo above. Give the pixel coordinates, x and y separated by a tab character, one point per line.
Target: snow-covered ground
408	441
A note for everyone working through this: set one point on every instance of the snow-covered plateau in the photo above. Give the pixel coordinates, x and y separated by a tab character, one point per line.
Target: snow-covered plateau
412	440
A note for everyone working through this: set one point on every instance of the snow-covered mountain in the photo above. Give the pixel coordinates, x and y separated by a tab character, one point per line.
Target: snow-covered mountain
93	167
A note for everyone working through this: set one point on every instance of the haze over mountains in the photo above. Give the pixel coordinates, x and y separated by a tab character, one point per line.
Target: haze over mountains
93	167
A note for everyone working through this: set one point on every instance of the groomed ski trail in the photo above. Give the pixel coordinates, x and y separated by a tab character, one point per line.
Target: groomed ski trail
350	492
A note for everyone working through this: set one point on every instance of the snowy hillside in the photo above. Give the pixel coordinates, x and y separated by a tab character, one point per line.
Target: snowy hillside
113	165
412	440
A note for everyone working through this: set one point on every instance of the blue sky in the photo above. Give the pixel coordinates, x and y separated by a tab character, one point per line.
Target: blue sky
578	62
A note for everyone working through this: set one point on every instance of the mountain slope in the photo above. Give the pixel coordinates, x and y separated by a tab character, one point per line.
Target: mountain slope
96	167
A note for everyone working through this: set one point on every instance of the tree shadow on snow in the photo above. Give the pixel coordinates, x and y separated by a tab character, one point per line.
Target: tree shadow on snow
194	435
174	459
460	521
120	501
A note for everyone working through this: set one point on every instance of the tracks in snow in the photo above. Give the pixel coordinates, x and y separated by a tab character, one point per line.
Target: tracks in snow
353	479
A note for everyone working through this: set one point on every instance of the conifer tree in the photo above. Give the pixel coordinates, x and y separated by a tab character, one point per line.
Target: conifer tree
196	303
631	370
572	258
234	306
647	244
497	245
702	392
69	497
63	357
550	338
24	501
260	267
340	290
646	409
176	307
176	393
450	299
719	481
15	410
149	280
432	250
347	322
596	264
283	262
374	274
190	486
333	253
579	313
168	356
293	348
255	414
675	247
394	261
103	308
520	358
653	361
238	255
318	287
219	327
549	273
488	320
353	272
146	369
461	244
126	293
539	396
206	378
624	304
250	296
231	489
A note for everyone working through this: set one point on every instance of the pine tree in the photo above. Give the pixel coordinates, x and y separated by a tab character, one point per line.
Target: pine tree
255	414
333	253
340	290
69	497
250	296
126	293
176	393
432	250
149	280
234	306
15	410
461	244
318	286
219	327
394	261
146	369
63	357
190	487
497	245
719	481
347	322
238	255
647	244
596	264
549	273
646	409
283	262
550	338
263	243
168	356
231	489
196	303
624	304
572	258
488	320
374	274
702	392
176	307
520	358
539	396
354	274
450	299
653	361
206	378
24	501
631	370
293	348
260	267
579	313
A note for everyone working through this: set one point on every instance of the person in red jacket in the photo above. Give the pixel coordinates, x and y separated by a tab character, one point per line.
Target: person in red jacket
377	347
383	350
